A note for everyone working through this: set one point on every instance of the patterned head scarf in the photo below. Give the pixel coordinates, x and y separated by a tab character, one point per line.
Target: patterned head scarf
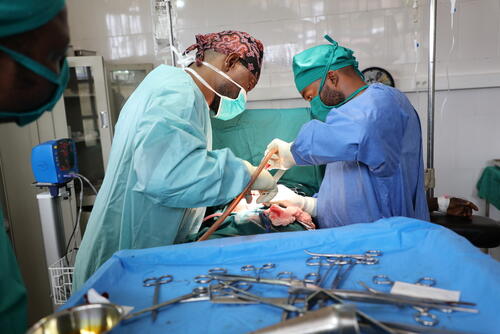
251	50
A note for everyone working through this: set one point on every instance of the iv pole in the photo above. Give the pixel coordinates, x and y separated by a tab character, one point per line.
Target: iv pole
430	177
171	29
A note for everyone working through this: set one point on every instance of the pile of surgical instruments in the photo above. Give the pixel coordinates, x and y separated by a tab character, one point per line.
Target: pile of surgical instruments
311	302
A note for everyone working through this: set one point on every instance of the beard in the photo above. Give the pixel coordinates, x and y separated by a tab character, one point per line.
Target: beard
331	97
225	89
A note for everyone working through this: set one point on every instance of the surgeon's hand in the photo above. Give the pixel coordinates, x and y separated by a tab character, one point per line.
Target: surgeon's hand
265	181
288	197
284	158
460	207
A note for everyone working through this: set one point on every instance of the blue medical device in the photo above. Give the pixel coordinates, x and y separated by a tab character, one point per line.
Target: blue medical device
53	162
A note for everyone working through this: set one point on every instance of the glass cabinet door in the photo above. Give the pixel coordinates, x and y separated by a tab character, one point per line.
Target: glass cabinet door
86	108
123	79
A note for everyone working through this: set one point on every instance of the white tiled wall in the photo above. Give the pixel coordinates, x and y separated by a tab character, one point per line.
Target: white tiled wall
467	137
382	33
119	30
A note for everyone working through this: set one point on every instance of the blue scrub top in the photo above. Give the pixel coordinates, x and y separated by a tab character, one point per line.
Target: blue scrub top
372	148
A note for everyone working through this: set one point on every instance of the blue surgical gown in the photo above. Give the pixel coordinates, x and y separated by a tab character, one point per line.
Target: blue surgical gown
161	173
372	148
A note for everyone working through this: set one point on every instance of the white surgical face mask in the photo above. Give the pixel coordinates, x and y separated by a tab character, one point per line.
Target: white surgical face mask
184	60
228	108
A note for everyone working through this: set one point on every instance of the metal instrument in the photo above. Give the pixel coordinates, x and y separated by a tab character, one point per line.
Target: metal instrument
192	296
204	279
371	295
337	262
342	274
423	315
156	282
245	295
374	254
332	319
258	270
320	262
385	280
289	282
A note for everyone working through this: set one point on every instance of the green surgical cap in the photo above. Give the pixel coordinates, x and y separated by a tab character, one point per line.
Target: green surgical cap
313	64
17	16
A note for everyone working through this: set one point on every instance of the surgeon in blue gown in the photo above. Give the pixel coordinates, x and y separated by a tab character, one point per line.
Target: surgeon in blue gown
162	172
370	141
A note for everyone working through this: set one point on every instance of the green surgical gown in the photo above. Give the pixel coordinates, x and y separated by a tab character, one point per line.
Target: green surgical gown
161	174
12	291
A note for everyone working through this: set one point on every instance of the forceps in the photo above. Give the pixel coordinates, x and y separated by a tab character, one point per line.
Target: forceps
342	274
205	279
316	277
156	282
245	295
192	296
385	280
368	257
258	270
423	316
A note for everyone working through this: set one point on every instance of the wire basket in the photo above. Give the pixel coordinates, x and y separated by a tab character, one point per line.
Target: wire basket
61	278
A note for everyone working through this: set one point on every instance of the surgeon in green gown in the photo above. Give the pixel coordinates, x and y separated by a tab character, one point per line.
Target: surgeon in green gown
162	171
33	40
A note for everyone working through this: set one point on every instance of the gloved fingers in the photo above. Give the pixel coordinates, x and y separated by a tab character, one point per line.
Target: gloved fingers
251	168
274	164
267	196
282	203
264	181
275	157
248	197
270	148
275	143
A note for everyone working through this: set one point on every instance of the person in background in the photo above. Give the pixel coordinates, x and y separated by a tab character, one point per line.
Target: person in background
452	206
34	36
162	171
370	143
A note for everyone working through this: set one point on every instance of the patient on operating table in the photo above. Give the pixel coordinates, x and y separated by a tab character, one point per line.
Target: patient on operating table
254	218
279	215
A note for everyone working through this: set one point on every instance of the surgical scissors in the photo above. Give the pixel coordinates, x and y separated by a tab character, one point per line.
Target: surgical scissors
423	315
258	270
156	282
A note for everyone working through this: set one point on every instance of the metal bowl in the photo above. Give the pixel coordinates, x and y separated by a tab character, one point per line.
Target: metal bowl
84	319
